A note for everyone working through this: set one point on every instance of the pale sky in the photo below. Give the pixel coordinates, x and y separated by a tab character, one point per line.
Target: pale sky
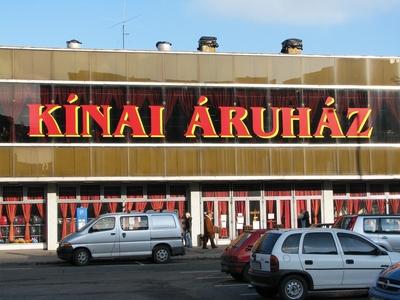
338	27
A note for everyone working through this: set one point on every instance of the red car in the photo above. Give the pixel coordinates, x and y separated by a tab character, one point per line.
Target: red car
236	257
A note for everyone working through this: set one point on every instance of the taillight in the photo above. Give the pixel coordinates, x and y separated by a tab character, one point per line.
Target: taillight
274	263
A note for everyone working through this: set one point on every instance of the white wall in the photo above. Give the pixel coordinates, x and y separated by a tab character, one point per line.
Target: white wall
195	210
51	221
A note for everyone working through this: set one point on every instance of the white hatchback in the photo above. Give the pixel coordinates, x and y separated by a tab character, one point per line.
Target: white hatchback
295	261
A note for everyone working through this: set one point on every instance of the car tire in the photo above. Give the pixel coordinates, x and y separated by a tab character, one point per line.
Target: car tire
161	254
81	257
245	273
266	293
293	287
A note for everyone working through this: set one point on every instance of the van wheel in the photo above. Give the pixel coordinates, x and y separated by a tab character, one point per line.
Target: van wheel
161	254
293	287
81	257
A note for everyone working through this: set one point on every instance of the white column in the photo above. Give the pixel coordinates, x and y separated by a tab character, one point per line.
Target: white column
327	208
51	221
195	211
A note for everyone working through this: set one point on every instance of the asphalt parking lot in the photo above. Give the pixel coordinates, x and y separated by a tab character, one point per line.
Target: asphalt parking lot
199	279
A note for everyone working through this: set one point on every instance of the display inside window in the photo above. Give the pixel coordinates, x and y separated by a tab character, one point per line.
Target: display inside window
22	219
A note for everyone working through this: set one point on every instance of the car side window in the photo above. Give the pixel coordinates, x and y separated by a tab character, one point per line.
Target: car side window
355	245
291	244
319	243
103	224
390	225
370	225
132	223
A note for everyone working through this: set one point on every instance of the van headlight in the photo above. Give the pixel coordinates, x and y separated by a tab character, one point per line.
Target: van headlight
65	245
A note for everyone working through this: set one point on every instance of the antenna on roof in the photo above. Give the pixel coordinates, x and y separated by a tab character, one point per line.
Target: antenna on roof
123	22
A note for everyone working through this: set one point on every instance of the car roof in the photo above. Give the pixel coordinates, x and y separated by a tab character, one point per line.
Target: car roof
138	213
370	215
310	229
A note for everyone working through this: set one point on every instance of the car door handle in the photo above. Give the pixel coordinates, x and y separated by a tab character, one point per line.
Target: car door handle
384	266
308	262
123	234
112	233
349	261
384	237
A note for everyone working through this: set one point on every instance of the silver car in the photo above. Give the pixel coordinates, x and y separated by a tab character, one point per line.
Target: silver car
156	235
383	229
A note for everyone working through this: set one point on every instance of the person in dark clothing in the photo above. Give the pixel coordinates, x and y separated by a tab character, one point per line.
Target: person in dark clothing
306	219
187	223
208	231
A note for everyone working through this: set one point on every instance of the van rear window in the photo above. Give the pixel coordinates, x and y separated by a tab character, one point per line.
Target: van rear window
163	222
266	243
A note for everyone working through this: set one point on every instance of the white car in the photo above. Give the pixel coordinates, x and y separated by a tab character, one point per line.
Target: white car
295	261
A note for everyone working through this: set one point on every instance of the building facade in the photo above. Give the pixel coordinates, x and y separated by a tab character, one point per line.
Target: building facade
256	139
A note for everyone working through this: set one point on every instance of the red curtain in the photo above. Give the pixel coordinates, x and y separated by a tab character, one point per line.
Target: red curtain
11	210
26	209
181	208
40	208
72	211
350	206
301	206
157	205
171	205
315	204
64	213
356	206
394	203
112	206
210	206
381	206
97	208
223	209
285	213
368	205
141	206
128	206
338	205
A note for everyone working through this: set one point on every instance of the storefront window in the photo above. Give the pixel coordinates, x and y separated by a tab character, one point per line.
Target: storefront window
22	218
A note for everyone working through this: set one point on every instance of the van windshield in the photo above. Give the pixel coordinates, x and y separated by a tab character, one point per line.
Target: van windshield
88	224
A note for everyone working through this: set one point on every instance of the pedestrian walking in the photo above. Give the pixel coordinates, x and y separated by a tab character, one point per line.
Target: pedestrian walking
187	223
209	231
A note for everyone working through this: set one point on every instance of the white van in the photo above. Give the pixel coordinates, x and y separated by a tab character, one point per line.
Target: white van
156	235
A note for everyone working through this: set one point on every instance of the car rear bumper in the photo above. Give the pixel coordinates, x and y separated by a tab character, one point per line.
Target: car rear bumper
65	253
232	267
266	280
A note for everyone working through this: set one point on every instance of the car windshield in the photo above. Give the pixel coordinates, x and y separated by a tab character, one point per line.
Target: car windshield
236	243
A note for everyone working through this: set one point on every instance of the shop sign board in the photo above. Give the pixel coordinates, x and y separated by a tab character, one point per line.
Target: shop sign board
81	217
284	122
